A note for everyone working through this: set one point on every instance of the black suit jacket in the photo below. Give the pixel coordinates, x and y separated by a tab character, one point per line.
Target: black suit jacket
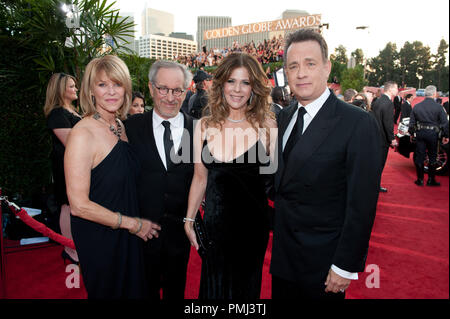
276	108
406	110
162	194
383	110
326	193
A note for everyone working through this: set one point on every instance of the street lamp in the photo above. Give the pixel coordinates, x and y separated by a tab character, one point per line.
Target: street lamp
420	77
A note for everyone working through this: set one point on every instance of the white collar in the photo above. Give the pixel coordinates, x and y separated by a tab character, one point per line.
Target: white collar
176	121
313	108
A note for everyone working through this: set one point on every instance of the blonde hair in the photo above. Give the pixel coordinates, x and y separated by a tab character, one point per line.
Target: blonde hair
258	111
56	88
117	71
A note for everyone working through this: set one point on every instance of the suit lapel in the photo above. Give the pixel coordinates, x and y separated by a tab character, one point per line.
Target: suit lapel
151	136
185	145
285	118
315	135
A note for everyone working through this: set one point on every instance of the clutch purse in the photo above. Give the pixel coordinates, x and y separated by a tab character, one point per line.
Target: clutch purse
203	241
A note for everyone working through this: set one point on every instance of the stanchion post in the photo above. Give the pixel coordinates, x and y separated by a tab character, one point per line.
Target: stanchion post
2	256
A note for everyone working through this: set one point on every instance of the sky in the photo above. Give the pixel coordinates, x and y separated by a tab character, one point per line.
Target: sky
387	20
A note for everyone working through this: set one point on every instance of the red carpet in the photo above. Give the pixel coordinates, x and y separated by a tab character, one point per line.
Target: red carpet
409	248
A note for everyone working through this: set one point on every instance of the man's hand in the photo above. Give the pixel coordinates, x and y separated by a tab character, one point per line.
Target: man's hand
394	143
336	283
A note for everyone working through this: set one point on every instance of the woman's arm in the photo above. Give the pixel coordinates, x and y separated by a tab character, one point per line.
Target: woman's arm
62	134
198	185
78	163
271	142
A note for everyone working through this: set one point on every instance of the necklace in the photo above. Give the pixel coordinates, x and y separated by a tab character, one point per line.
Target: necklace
117	132
236	121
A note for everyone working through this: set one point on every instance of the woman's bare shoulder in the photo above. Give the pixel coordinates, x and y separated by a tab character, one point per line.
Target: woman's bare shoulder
83	131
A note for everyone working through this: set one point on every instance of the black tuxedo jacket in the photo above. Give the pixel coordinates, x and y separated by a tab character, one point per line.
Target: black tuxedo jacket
383	110
326	193
405	110
162	194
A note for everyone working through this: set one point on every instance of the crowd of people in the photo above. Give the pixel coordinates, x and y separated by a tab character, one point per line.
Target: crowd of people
134	183
264	52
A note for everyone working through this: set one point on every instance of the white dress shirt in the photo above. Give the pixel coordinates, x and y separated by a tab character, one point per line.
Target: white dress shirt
311	110
177	129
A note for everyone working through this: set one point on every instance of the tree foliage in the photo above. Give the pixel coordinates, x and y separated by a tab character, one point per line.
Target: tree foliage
413	65
353	78
36	41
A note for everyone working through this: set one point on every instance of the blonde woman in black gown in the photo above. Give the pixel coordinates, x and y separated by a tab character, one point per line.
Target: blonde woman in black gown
101	175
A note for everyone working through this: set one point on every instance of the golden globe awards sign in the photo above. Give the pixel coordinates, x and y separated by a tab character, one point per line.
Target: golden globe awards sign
270	26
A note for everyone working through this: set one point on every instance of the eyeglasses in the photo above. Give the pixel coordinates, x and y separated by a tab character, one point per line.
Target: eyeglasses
165	91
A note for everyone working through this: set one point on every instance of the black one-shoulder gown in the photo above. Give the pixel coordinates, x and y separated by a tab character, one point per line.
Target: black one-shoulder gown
111	261
236	219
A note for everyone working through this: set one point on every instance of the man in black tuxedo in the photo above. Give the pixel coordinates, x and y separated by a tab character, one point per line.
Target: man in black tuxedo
165	176
280	99
383	110
406	106
326	186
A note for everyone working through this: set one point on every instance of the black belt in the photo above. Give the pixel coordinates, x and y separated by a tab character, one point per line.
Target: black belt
427	127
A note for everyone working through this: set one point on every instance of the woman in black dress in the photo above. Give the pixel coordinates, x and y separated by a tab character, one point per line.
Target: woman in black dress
231	147
61	118
101	186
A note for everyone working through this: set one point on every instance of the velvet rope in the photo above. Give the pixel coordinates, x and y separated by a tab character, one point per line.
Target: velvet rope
41	228
47	232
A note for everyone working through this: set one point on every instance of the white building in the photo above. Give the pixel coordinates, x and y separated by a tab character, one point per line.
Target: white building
167	48
155	21
205	23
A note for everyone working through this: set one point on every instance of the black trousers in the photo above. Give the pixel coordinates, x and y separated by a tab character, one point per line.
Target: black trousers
285	290
166	266
384	155
426	143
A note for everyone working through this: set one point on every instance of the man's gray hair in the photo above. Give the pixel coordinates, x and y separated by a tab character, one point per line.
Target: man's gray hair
430	90
163	64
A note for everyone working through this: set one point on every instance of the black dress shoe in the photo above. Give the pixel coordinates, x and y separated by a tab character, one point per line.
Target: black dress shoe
383	190
419	182
432	182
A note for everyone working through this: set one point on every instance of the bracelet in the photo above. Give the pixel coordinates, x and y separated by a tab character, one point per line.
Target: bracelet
139	228
119	221
186	219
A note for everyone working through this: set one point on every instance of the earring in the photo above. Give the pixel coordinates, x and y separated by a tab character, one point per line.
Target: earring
250	99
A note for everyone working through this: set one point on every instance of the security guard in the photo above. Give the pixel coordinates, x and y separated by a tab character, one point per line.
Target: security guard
428	120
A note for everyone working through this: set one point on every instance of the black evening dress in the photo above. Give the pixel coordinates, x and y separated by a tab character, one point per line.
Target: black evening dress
236	220
111	261
60	118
